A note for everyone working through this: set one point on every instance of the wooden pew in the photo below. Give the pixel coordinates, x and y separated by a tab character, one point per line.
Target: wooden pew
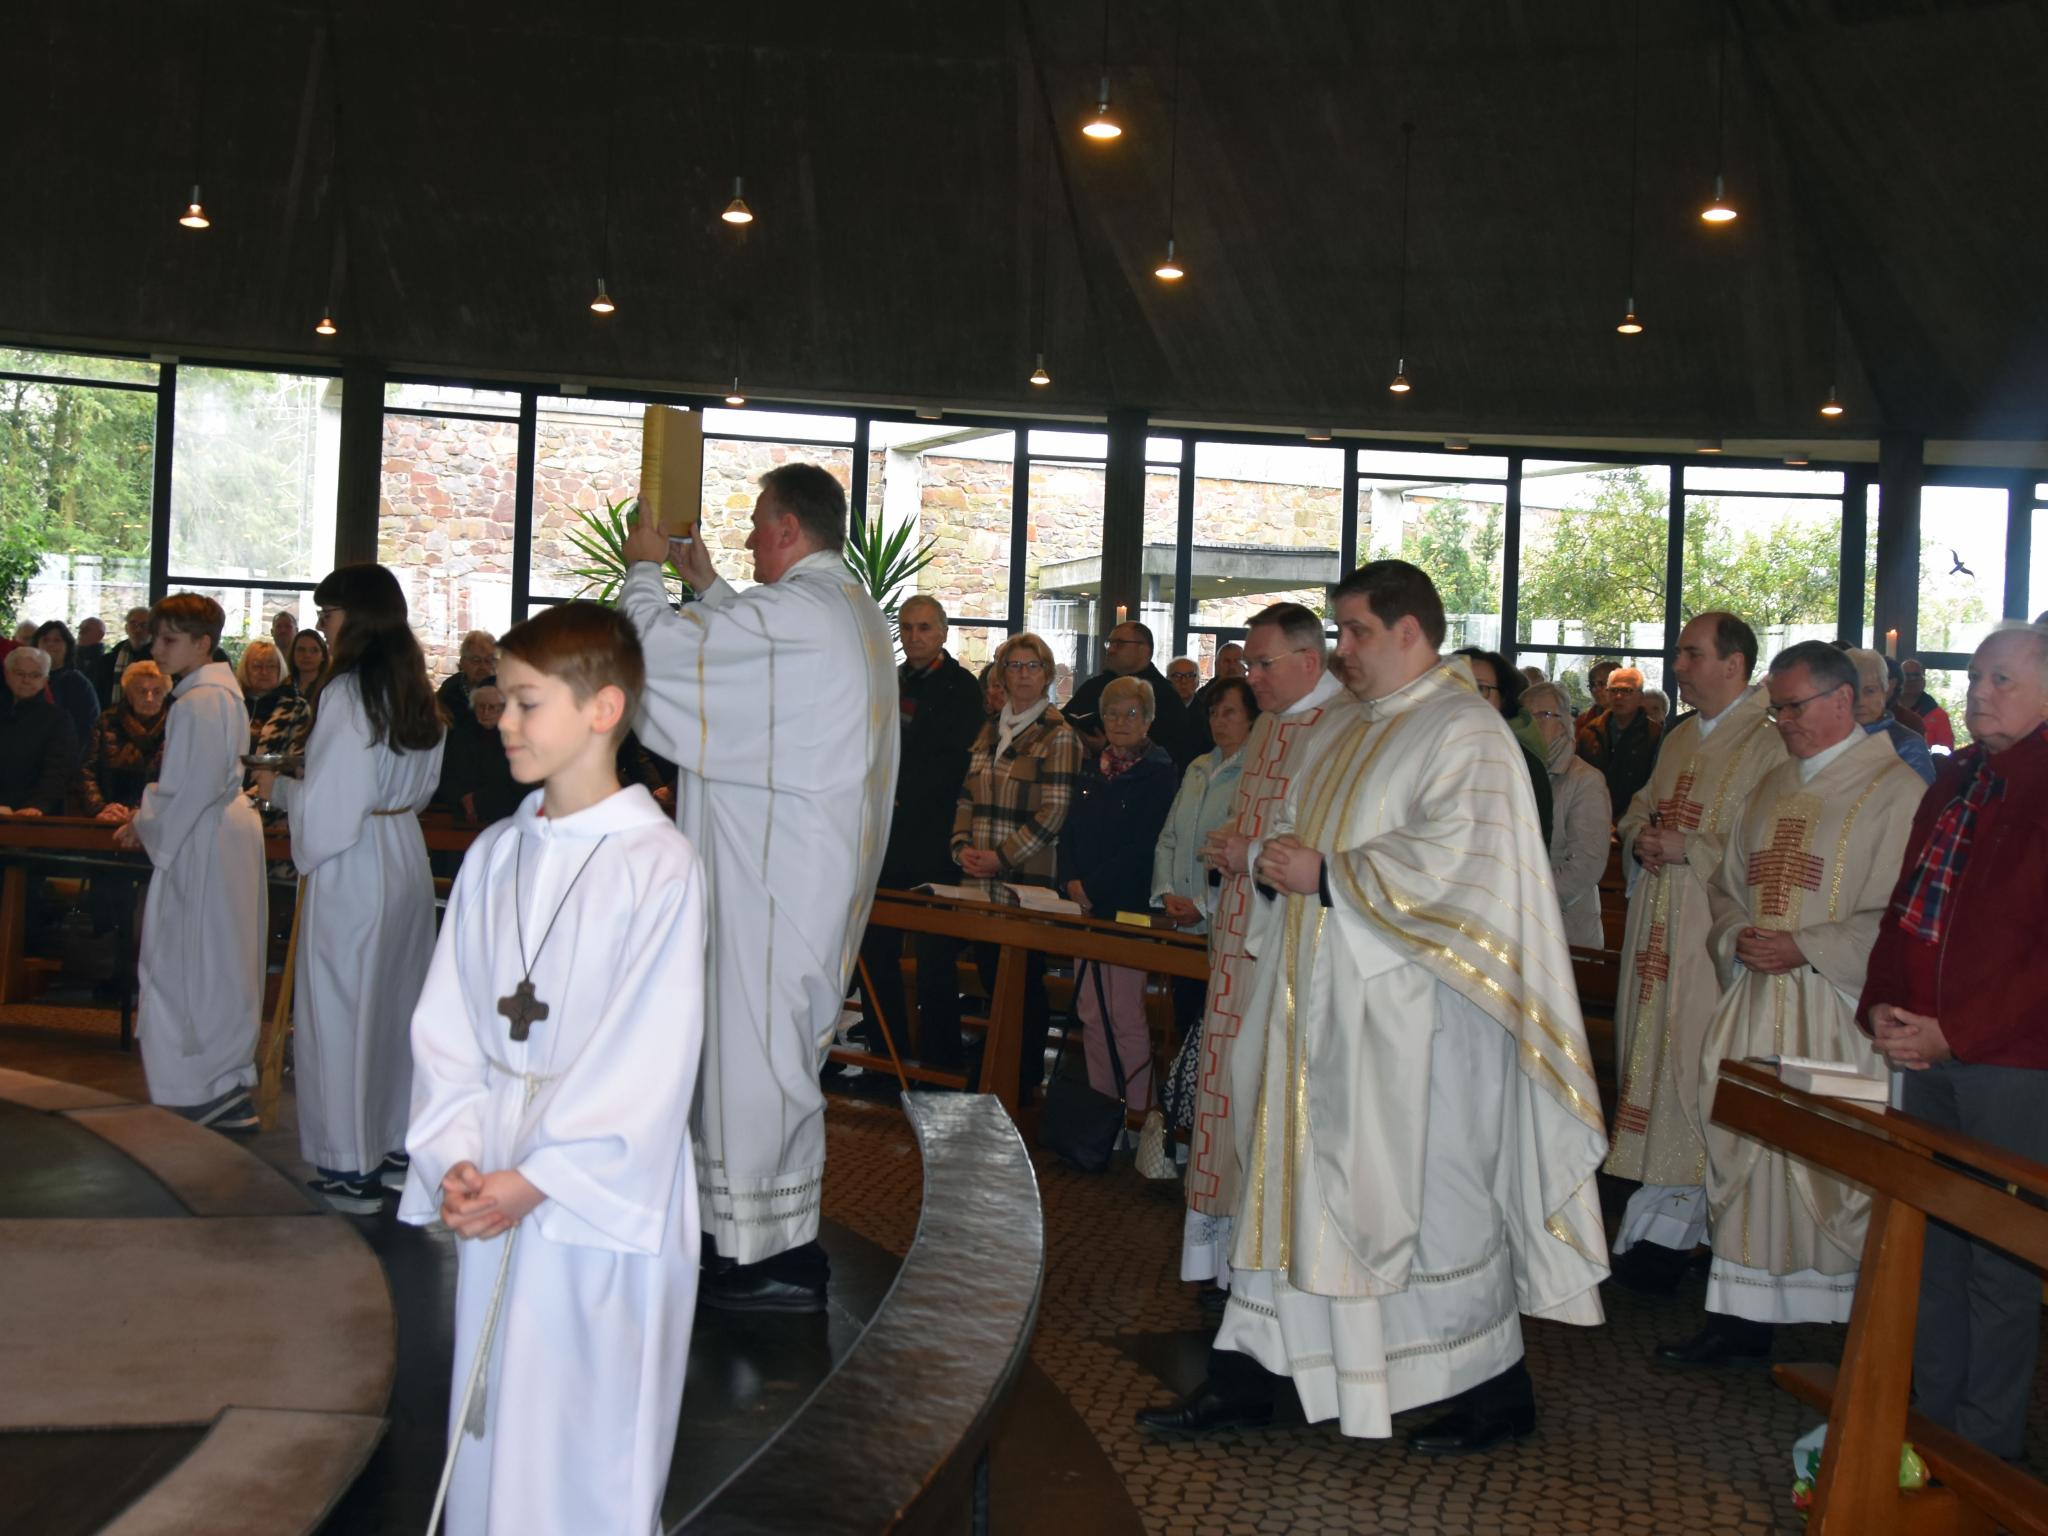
1913	1170
1160	951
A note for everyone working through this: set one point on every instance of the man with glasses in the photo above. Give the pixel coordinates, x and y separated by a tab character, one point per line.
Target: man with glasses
1672	837
1622	743
1128	653
1804	880
1299	702
1185	676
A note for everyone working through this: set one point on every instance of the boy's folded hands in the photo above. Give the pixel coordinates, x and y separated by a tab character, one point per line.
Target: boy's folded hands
480	1205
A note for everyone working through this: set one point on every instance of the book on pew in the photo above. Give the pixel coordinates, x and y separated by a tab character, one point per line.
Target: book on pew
1032	898
1831	1079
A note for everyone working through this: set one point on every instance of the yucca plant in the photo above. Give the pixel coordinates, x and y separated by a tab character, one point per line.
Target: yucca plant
884	559
601	540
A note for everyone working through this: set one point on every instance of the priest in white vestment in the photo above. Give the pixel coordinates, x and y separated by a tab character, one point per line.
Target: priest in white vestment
778	704
207	913
1674	833
1806	877
1415	1107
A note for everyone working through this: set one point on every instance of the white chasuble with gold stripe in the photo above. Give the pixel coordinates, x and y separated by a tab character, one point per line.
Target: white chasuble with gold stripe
1817	860
1668	984
779	706
1420	1128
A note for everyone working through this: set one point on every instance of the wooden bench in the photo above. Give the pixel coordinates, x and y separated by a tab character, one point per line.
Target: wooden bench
1913	1170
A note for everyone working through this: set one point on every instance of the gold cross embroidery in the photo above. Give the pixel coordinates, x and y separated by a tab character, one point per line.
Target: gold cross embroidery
1783	868
1681	810
1653	963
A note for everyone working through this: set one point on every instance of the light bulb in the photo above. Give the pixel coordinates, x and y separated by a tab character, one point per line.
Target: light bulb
737	211
1707	445
194	216
1718	211
1038	374
1833	406
602	304
734	397
326	327
1169	270
1102	126
1400	386
1630	325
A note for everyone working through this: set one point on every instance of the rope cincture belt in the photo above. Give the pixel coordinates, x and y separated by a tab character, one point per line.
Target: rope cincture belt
470	1419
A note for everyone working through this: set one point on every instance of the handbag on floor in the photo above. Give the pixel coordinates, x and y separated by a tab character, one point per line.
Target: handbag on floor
1154	1160
1177	1098
1079	1123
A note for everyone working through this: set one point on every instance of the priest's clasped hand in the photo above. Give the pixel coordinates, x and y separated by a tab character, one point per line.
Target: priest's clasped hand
1912	1042
1768	951
1226	851
1287	865
480	1205
1657	846
691	558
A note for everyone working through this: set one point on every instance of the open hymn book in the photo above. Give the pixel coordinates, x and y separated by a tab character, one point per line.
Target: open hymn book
1032	898
1829	1079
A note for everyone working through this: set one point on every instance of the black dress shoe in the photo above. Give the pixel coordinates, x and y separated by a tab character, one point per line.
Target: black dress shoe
1724	1341
730	1287
1471	1427
1206	1411
1650	1268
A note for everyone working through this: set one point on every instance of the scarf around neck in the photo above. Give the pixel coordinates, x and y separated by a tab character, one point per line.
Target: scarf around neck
1010	725
1116	760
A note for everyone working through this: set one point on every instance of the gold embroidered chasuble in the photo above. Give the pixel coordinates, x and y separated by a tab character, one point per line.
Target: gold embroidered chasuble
1281	742
1442	902
1816	860
1668	983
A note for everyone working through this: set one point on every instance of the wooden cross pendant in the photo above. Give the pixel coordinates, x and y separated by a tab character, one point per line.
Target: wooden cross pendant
523	1009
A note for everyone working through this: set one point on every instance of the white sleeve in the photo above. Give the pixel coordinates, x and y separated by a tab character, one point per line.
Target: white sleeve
450	1082
610	1143
187	786
331	805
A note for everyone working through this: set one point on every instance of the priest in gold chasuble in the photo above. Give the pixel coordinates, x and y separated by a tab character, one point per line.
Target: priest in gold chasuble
1673	835
1418	1126
1806	876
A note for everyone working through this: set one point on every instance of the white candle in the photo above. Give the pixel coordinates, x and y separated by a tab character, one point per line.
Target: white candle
1120	611
1891	644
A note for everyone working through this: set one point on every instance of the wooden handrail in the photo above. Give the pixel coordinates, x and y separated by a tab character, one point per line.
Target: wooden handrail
88	834
1165	951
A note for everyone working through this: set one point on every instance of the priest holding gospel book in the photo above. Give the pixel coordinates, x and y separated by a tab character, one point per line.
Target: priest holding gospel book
778	705
1808	867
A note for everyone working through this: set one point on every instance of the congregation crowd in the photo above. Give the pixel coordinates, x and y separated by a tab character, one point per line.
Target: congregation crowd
1390	1114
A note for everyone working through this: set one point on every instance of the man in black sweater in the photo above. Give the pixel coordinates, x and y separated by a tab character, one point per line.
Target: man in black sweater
1129	654
38	744
939	709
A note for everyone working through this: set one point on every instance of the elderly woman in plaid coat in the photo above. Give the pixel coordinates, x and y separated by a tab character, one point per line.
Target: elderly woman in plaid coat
1006	827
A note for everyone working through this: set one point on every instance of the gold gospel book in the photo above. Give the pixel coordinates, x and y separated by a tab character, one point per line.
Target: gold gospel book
672	469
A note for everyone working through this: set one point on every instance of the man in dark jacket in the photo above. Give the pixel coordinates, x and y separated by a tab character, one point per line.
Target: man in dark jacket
38	744
1622	743
939	709
1129	654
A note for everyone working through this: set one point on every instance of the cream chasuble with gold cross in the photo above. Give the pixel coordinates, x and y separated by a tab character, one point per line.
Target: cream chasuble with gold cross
1705	772
1419	1126
1815	857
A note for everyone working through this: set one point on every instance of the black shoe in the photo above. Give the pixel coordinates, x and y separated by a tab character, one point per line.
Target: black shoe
1473	1425
1650	1268
1206	1411
357	1197
392	1171
730	1287
1724	1341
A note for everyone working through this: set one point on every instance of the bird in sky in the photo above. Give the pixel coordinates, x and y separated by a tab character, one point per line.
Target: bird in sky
1959	569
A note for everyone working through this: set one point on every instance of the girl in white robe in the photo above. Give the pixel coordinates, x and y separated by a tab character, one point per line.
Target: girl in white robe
584	1380
366	930
205	918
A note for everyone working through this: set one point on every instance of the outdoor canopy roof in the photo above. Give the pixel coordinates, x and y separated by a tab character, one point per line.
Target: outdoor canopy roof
929	217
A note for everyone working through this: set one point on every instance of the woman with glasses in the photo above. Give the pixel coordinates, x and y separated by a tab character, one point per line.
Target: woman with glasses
1121	798
1583	834
1006	827
1501	686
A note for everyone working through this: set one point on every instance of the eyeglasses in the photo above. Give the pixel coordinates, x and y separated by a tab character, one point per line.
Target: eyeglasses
324	614
1794	706
1547	714
1129	712
1487	688
1267	663
1112	644
1613	689
1029	664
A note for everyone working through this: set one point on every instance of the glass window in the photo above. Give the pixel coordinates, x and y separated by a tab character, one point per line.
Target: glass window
1870	515
1950	690
718	420
1454	531
249	611
1267	529
1775	561
1070	445
434	398
445	511
1593	557
958	484
586	461
1962	565
733	468
1162	450
1401	464
1728	477
1063	566
77	468
1569	671
253	472
77	365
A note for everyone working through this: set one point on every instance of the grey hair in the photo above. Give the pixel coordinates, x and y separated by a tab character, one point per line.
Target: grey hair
2037	632
1660	696
1864	660
38	658
1547	693
478	634
924	600
1137	690
1830	668
1301	626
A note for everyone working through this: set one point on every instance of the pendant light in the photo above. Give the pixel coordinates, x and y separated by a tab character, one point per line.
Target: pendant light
1039	378
733	397
1103	127
1038	374
1630	325
326	326
1170	270
337	190
1832	408
602	304
194	216
1400	384
737	211
1720	210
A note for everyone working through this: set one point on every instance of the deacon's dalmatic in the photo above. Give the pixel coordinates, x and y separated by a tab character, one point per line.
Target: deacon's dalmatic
1282	742
1706	769
1814	855
1419	1126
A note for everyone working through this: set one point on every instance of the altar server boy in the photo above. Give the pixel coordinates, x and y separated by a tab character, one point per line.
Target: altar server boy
204	920
554	1060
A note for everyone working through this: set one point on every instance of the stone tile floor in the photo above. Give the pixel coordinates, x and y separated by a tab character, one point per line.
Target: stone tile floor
1621	1446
